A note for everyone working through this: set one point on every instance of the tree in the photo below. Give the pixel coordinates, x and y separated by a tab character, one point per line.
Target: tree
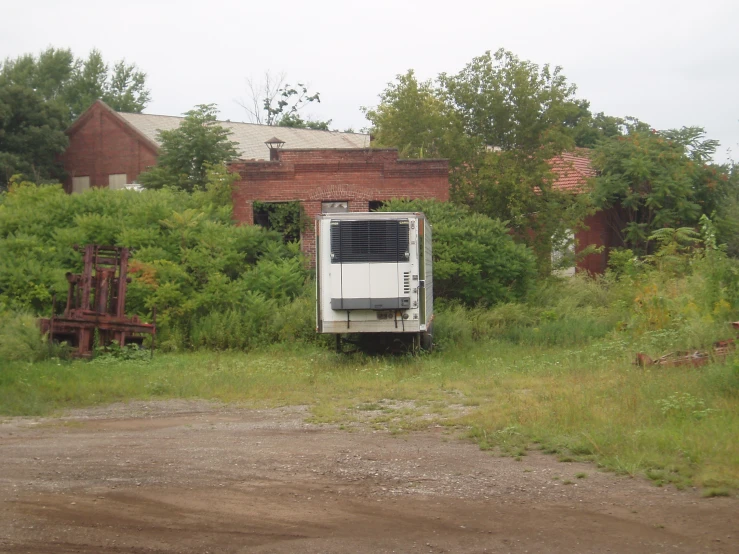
31	135
727	214
47	75
512	104
651	180
123	88
414	118
273	101
187	152
58	77
520	112
588	129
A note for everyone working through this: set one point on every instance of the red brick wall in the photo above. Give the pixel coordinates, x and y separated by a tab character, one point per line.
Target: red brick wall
599	232
101	144
357	176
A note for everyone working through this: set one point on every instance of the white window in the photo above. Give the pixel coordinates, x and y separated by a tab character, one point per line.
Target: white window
80	184
334	207
117	181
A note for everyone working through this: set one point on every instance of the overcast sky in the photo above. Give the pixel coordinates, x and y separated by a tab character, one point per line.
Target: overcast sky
669	63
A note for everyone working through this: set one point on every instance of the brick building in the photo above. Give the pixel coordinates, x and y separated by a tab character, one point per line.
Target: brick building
110	149
326	180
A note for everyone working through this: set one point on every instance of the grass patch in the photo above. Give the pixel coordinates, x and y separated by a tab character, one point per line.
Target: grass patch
713	493
676	426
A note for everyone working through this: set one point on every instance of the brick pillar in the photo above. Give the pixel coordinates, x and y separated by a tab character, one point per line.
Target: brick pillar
311	208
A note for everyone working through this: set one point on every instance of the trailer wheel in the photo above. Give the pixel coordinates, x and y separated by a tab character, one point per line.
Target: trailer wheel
427	339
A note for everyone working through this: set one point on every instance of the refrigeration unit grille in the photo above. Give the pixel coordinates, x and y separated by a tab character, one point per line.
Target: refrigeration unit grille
369	241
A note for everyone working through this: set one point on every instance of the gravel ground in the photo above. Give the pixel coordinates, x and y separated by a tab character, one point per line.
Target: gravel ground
192	476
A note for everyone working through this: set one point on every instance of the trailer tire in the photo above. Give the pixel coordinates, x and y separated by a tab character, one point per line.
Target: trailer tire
427	340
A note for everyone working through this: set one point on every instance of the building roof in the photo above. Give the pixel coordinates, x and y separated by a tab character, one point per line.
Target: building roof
250	137
573	170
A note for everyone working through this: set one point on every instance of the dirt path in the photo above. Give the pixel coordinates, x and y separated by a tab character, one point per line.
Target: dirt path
199	477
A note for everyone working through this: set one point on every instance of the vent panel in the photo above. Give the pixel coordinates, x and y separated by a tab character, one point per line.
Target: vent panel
369	241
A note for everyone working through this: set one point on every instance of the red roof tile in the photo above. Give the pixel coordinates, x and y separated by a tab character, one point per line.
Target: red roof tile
573	171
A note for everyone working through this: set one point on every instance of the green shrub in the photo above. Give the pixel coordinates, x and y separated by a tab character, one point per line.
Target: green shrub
189	260
476	260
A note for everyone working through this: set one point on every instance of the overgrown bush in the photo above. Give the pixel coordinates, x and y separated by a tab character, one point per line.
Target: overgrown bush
476	260
190	261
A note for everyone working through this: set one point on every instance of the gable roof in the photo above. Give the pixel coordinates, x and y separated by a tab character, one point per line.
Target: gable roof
250	137
573	170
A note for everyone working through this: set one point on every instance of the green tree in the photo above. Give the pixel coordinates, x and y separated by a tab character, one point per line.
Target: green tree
655	180
727	220
588	129
48	74
186	153
31	135
511	103
123	87
523	114
74	83
413	117
500	121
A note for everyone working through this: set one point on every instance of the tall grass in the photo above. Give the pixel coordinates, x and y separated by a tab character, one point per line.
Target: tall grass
20	338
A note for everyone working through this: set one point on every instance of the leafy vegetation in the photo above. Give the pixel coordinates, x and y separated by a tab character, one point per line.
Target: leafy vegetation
502	120
41	95
476	260
190	261
656	180
187	152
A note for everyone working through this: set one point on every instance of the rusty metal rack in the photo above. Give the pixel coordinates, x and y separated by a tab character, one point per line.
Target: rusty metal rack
696	358
96	303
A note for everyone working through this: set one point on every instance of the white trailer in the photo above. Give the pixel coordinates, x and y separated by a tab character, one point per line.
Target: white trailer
374	275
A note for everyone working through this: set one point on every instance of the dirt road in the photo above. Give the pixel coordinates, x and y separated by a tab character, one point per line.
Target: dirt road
198	477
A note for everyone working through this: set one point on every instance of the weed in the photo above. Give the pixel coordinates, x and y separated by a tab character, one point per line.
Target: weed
581	475
684	405
713	493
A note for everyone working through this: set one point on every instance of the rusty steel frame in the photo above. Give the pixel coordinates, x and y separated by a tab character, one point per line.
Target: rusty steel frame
695	358
96	302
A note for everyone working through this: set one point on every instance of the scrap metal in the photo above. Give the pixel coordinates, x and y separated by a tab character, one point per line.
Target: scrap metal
696	358
96	302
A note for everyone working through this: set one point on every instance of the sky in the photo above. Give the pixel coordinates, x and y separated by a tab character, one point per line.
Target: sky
670	63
